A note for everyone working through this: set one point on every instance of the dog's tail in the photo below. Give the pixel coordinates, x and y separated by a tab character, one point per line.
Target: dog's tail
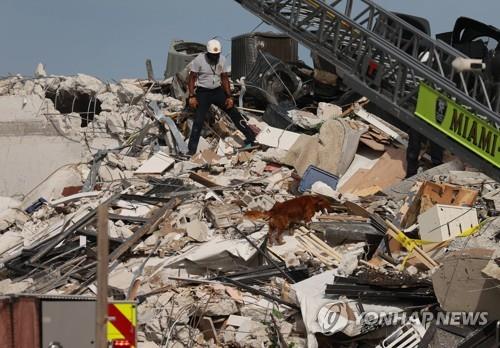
256	214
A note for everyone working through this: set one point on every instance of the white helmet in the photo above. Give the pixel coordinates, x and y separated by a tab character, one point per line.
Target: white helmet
214	46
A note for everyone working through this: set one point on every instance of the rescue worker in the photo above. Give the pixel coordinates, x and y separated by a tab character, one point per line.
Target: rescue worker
209	74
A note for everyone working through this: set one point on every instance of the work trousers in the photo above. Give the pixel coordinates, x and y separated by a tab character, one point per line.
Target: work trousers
207	97
414	146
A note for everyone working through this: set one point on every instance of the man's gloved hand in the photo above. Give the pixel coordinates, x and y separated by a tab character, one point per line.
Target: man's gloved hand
193	102
229	103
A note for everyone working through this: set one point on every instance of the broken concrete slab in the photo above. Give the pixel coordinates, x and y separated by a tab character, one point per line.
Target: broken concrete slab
258	309
278	138
135	209
398	191
42	155
466	178
332	150
252	334
157	164
84	84
129	92
75	197
221	307
197	230
114	122
109	101
52	187
224	215
25	133
8	202
460	286
121	278
9	240
110	174
236	320
217	254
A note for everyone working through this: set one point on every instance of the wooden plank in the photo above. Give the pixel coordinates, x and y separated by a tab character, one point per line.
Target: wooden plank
328	249
102	277
433	194
315	253
372	144
149	227
419	253
202	180
389	170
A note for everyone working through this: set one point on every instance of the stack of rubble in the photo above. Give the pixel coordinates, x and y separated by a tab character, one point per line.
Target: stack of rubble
202	273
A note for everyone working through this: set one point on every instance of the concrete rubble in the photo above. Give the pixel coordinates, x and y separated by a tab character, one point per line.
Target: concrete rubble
202	273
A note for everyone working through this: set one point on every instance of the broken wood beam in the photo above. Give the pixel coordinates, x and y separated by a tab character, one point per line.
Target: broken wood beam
102	277
149	227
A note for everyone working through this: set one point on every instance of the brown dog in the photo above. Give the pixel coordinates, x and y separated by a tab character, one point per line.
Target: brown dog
282	215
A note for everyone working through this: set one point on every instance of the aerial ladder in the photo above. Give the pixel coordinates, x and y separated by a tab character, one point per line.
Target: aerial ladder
419	80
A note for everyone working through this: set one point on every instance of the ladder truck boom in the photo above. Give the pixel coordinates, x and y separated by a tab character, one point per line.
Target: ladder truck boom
401	69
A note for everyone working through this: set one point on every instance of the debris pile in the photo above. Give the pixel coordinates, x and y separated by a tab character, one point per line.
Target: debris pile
182	243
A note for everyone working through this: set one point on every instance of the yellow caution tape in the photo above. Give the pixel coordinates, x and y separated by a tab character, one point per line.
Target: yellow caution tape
409	244
406	241
470	231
